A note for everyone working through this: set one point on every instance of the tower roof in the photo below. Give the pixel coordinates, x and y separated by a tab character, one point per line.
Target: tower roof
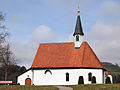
78	27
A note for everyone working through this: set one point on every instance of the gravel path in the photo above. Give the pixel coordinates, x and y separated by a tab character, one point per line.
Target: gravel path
64	88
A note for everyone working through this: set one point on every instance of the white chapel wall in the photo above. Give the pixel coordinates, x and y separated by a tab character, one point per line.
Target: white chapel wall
110	78
58	76
21	79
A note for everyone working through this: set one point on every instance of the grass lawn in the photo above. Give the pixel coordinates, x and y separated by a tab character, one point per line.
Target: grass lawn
22	87
96	87
75	87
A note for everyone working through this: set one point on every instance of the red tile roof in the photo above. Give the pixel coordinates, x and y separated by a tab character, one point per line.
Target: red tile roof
65	55
106	73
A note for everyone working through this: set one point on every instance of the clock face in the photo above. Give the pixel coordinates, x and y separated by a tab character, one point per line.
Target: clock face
77	38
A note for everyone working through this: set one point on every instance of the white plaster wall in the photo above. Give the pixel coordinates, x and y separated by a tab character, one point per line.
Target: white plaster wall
110	78
104	76
21	78
78	43
58	76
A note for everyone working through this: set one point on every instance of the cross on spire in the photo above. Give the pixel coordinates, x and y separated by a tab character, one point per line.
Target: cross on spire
78	10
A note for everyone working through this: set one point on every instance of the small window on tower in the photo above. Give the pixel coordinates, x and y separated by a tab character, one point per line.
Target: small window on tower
77	38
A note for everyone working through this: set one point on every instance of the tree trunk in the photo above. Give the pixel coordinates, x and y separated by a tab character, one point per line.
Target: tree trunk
6	73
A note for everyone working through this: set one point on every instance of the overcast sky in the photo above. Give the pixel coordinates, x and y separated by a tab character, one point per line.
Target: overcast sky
31	22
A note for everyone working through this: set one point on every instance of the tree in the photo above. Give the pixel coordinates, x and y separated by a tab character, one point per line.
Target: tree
3	32
116	65
7	59
22	69
6	55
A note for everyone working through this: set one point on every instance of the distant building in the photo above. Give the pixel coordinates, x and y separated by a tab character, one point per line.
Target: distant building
109	75
6	83
64	63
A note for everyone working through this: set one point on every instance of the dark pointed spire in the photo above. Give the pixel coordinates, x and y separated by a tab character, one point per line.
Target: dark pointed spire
78	27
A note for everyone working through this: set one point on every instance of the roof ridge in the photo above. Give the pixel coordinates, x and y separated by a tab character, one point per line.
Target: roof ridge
57	43
61	42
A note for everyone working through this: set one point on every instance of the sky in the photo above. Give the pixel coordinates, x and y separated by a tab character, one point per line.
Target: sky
31	22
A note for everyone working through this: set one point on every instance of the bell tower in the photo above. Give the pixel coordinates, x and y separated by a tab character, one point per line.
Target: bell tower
78	33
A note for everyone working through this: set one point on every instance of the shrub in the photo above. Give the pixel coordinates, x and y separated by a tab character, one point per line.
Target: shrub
18	83
81	80
93	79
108	81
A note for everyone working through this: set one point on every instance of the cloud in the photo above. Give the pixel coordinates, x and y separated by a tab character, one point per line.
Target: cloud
104	39
25	53
109	9
43	34
70	38
104	35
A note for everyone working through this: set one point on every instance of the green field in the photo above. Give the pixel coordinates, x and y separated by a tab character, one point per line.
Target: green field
75	87
97	87
22	87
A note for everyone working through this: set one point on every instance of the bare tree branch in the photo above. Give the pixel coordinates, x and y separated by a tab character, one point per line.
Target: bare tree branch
7	57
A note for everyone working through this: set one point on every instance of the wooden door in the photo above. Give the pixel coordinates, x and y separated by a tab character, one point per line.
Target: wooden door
28	81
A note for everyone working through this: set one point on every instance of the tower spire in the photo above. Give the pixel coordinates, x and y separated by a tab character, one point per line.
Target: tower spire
78	27
78	33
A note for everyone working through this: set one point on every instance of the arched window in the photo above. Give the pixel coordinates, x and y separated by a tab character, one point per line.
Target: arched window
93	79
77	38
67	76
89	76
48	71
81	80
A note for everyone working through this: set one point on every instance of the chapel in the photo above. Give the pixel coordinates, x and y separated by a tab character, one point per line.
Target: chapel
65	63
